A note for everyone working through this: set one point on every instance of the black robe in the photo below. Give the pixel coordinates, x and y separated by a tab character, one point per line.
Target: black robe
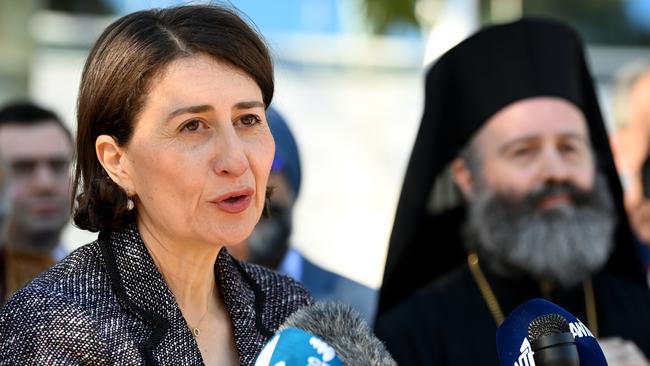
449	323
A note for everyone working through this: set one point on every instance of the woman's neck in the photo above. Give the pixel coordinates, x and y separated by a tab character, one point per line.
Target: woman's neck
188	269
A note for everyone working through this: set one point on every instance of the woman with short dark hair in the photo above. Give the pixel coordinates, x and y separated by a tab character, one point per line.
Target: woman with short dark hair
173	157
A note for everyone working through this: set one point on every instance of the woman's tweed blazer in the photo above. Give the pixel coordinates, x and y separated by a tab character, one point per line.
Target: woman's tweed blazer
107	304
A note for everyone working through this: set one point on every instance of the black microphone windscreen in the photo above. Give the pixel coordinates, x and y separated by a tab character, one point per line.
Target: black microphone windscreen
547	325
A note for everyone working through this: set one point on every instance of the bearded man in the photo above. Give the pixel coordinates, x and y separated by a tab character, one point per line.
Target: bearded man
511	118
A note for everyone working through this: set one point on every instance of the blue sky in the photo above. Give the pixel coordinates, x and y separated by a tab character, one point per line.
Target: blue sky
319	16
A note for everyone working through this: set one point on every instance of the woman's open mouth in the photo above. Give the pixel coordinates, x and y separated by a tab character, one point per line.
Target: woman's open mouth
235	202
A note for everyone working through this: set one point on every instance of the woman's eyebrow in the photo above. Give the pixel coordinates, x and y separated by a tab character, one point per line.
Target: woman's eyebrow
249	104
190	109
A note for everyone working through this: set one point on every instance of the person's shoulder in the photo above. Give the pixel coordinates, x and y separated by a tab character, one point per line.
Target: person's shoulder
277	286
415	329
409	313
439	289
427	306
623	292
36	305
52	288
611	280
623	306
41	325
313	273
325	285
75	270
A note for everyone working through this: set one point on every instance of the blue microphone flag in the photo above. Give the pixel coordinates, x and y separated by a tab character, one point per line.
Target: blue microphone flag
296	347
512	336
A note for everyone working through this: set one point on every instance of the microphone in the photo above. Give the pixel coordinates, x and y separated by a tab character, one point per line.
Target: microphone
541	333
324	334
293	346
552	342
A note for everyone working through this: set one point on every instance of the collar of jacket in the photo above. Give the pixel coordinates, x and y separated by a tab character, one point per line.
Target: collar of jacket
142	290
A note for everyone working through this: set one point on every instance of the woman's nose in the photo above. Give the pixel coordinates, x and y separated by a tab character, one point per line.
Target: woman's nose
231	155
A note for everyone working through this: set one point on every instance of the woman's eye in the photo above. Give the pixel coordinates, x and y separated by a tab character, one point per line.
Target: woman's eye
249	120
521	152
192	125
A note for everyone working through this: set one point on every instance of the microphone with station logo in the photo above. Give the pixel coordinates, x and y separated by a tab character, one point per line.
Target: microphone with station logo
540	333
324	334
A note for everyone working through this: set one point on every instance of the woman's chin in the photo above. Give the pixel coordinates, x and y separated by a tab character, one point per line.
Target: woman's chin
232	238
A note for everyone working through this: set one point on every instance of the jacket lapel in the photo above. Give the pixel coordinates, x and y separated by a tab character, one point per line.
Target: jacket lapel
245	303
142	291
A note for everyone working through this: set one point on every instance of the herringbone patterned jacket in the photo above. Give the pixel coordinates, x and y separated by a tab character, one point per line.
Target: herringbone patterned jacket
107	304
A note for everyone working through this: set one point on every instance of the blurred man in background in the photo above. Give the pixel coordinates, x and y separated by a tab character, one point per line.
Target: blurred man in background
511	114
630	142
269	244
36	149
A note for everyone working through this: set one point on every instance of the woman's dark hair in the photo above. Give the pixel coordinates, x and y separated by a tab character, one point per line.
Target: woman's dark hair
118	73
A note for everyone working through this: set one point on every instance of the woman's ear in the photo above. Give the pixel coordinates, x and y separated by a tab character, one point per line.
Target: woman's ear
463	177
111	157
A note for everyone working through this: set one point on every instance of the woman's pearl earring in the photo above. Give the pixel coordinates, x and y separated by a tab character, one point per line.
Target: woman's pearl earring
129	204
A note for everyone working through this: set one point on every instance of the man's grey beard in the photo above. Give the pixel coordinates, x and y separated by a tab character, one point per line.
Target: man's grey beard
564	244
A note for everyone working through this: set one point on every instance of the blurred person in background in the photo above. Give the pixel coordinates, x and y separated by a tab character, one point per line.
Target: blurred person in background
630	140
269	244
36	149
173	154
511	117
